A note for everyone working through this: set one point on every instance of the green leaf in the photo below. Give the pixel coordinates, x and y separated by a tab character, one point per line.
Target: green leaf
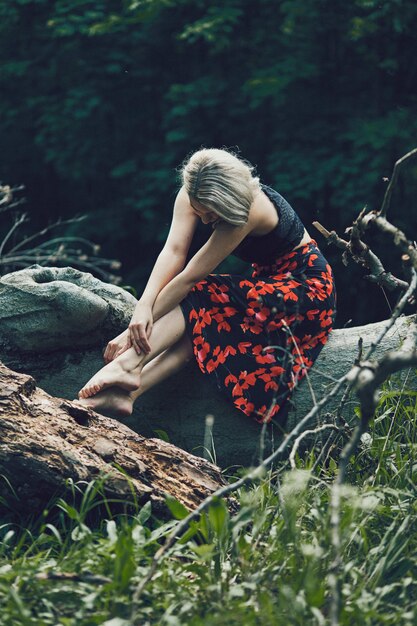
69	510
177	509
218	516
204	551
162	434
145	513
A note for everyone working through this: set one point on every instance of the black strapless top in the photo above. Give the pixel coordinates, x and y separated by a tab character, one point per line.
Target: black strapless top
284	237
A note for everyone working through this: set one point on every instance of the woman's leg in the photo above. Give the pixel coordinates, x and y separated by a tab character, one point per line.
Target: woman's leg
120	402
164	365
126	369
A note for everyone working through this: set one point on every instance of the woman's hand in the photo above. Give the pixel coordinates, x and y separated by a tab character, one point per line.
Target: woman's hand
117	346
140	328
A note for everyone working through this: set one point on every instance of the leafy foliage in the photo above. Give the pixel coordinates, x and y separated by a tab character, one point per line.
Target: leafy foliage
102	100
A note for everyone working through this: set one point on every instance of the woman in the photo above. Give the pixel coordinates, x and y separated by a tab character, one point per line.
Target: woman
257	336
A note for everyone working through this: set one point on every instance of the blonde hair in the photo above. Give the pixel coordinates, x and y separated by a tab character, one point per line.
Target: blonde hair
222	182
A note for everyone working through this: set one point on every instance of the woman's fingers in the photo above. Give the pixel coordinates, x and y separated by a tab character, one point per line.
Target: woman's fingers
119	352
125	347
144	341
117	346
139	338
109	351
134	339
140	328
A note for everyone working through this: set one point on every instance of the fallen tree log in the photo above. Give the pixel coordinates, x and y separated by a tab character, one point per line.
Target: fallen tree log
45	441
55	322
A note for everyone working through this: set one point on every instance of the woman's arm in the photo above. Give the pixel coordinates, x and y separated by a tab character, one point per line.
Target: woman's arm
222	242
169	263
171	259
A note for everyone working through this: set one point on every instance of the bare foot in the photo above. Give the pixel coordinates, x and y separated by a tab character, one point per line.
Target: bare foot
113	401
123	372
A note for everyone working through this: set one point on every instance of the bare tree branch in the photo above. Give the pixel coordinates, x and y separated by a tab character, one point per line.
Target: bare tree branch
30	250
47	229
305	433
19	221
366	377
373	374
387	198
7	201
395	315
362	254
400	240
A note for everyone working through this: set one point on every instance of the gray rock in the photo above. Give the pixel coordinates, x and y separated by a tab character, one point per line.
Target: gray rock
55	323
47	308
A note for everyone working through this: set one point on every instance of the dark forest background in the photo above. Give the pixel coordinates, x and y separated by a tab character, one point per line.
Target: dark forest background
101	100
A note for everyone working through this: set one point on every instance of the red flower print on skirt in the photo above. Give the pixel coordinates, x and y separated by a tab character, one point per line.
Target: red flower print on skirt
221	317
201	349
243	381
326	318
202	318
260	288
250	324
258	337
218	293
257	310
263	355
247	407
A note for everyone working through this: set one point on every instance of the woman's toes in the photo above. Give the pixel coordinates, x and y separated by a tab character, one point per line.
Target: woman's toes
89	390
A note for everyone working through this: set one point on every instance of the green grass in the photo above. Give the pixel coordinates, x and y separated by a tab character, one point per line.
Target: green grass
269	564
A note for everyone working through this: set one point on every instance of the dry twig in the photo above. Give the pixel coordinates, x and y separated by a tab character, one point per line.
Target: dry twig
305	433
387	198
7	198
30	250
363	255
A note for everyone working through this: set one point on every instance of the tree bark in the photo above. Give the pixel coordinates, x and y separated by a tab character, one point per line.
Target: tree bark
45	441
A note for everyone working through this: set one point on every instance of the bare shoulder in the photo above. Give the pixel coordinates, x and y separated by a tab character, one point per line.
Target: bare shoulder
182	202
183	225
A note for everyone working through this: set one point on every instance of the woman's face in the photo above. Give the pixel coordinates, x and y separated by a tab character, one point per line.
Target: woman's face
206	215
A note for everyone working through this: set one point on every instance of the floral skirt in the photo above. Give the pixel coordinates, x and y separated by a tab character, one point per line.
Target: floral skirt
259	336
